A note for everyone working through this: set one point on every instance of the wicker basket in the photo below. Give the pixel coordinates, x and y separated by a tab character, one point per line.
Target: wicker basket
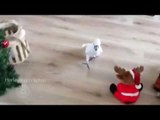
19	47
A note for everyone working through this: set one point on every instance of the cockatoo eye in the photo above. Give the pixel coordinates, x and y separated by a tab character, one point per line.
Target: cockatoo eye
96	47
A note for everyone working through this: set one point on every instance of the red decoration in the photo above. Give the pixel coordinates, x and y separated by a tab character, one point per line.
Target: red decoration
5	43
157	84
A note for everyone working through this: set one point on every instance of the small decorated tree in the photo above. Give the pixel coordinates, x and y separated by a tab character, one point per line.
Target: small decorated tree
8	75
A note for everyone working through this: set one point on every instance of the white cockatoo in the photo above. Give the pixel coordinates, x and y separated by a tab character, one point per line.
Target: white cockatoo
92	50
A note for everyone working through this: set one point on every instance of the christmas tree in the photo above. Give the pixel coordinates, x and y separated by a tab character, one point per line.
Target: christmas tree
8	75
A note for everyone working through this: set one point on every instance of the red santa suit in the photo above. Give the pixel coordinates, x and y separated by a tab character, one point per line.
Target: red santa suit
129	93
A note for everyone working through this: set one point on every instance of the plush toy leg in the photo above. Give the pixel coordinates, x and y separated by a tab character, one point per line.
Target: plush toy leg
113	88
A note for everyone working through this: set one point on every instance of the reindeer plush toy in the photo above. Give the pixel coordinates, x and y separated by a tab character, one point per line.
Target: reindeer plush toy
128	90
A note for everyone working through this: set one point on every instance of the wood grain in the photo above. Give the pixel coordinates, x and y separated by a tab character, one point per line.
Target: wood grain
54	73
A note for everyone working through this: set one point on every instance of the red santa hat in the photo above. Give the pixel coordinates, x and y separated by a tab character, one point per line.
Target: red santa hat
136	77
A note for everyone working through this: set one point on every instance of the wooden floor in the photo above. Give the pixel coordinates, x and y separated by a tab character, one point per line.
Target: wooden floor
54	73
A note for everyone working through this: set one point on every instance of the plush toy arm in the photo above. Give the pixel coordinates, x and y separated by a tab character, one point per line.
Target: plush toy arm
138	86
141	87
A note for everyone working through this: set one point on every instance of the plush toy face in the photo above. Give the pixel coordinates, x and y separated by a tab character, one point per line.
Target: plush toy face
125	76
12	28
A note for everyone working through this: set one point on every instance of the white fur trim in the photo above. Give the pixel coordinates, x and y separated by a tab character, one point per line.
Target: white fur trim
130	94
132	73
138	86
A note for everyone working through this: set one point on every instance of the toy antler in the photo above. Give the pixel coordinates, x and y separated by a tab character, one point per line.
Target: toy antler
139	69
119	70
123	75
